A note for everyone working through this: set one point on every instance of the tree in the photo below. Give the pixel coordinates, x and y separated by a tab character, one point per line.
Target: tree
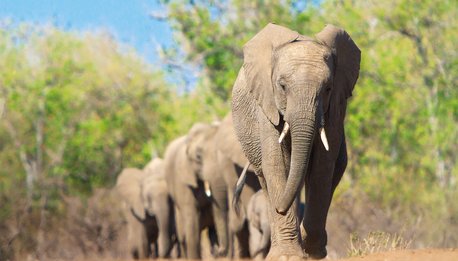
77	108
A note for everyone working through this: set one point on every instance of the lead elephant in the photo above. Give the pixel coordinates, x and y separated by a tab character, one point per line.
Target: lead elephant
148	210
290	81
183	167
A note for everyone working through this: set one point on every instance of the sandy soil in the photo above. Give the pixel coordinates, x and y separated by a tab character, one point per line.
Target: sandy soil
399	255
411	255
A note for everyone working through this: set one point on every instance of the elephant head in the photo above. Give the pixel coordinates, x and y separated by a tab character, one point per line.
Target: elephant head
293	78
197	140
154	188
128	187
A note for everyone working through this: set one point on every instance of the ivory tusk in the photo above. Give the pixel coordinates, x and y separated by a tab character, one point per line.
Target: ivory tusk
283	132
324	139
208	191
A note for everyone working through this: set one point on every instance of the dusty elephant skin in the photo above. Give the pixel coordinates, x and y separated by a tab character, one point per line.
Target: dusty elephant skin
291	80
148	210
183	171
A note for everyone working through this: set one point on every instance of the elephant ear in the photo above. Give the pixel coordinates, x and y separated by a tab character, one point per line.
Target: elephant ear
186	175
257	56
347	58
128	187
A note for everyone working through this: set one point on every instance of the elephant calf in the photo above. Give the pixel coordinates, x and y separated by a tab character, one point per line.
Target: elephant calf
259	226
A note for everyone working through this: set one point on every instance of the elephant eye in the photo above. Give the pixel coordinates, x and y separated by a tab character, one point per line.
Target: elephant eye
282	84
199	154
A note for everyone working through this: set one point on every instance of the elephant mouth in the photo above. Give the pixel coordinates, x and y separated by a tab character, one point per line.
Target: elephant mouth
322	132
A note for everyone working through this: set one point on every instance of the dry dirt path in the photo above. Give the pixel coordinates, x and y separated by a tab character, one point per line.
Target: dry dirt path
398	255
410	255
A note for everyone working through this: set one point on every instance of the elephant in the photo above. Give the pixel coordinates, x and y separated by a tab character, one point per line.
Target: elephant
222	163
259	226
183	174
158	204
288	105
148	210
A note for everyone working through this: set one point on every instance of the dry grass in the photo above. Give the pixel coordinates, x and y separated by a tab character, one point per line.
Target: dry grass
375	242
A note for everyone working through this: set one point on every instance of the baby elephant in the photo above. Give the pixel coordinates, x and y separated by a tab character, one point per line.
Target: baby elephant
259	226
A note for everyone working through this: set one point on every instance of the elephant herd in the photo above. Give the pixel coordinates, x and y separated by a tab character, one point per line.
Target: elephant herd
286	129
170	201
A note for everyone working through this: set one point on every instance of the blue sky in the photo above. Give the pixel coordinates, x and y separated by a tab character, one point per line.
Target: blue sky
128	20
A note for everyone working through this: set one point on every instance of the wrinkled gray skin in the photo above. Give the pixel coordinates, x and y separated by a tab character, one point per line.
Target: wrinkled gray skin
258	222
223	161
305	82
183	168
148	210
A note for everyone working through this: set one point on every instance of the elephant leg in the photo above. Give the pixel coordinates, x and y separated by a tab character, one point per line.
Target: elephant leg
322	178
220	214
255	242
192	231
180	232
286	241
242	242
136	238
231	220
238	230
164	243
341	165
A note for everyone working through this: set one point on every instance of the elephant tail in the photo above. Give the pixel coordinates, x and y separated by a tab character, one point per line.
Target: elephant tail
238	189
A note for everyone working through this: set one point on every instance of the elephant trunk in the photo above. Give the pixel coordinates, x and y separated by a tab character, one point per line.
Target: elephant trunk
302	131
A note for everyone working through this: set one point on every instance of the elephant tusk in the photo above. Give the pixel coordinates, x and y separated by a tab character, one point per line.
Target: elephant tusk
208	191
324	139
283	132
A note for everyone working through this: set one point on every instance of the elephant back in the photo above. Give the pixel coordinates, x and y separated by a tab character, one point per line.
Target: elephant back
155	168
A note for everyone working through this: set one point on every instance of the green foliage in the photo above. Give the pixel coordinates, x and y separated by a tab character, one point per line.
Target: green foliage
78	108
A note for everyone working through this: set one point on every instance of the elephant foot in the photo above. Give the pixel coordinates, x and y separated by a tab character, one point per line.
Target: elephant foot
219	252
314	244
283	253
318	253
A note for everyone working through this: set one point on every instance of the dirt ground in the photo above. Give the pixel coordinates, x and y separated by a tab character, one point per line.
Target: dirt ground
95	231
410	255
398	255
